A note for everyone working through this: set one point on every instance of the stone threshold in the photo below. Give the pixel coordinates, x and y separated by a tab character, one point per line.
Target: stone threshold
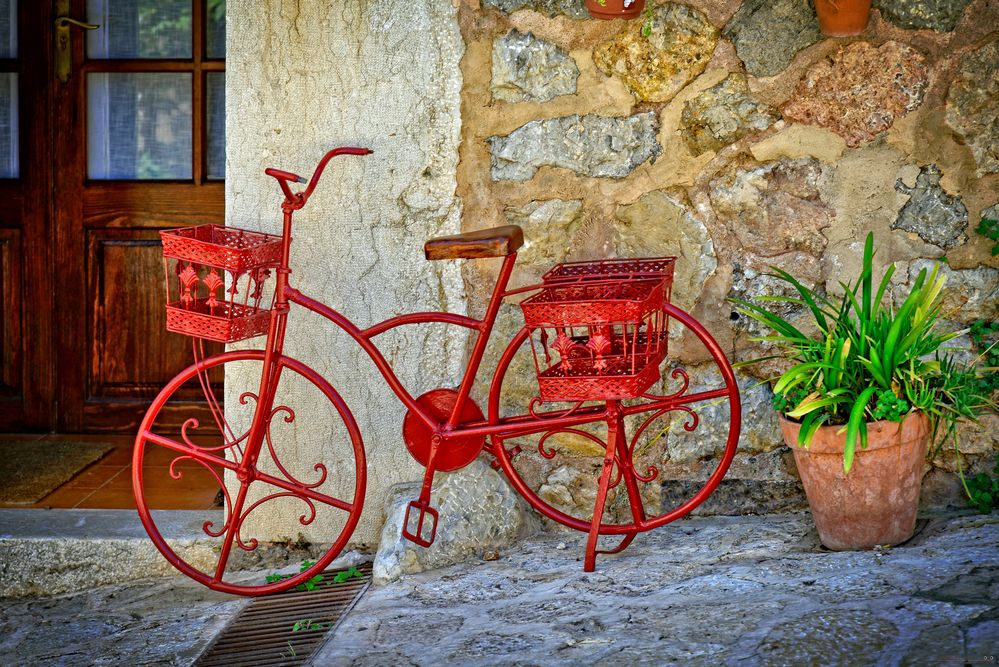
49	552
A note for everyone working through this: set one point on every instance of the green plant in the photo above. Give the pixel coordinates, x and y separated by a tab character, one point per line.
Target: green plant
983	490
309	585
648	20
308	624
865	360
350	573
990	230
985	340
314	582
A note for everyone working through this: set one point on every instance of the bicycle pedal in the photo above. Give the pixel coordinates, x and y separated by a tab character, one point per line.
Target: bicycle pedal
421	523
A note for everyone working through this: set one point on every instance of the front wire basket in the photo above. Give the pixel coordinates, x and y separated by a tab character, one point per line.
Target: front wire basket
216	280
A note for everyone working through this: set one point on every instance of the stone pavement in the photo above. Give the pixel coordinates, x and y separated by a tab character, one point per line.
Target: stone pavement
719	590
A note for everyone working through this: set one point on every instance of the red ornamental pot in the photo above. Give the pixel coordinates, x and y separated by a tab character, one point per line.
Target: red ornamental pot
875	504
614	9
842	18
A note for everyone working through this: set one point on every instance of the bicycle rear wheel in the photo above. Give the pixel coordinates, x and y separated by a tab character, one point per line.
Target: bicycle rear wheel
556	470
202	463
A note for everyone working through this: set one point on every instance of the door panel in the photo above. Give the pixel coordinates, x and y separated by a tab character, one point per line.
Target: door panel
10	323
137	114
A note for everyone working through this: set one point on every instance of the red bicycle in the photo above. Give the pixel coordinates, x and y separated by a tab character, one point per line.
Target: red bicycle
595	335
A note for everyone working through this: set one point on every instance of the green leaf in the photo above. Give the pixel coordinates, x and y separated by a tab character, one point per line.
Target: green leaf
854	425
811	406
806	295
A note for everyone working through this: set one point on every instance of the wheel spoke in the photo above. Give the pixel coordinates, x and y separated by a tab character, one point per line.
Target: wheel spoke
193	452
230	534
672	402
304	491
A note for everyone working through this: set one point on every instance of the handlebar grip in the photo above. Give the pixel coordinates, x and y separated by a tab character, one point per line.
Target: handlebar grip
284	175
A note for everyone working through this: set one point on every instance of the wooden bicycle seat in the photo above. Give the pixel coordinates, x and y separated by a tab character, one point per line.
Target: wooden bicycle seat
494	242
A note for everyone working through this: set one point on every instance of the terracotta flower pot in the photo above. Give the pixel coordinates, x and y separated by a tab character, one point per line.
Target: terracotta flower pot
876	502
614	9
842	18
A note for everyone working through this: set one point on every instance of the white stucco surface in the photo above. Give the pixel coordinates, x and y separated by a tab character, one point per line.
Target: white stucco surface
303	77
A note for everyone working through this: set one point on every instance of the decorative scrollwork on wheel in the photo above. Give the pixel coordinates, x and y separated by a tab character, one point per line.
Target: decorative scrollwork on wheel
550	453
193	423
207	526
252	543
689	425
289	418
676	374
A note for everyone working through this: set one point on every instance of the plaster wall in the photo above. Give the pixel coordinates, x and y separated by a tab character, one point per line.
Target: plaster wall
304	77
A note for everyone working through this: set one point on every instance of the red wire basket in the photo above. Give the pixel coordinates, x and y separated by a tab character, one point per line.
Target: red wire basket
598	330
216	280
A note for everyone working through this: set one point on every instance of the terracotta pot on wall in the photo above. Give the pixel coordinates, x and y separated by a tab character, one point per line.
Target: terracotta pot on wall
842	18
876	502
615	9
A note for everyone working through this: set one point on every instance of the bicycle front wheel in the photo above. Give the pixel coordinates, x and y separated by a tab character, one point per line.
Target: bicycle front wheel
238	490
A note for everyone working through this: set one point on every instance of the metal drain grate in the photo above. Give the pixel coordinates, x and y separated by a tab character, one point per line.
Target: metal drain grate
262	633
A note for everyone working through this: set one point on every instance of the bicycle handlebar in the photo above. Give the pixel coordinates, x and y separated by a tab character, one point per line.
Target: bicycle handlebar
284	177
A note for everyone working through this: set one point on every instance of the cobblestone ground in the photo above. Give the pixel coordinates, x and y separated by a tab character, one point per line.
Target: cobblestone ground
741	590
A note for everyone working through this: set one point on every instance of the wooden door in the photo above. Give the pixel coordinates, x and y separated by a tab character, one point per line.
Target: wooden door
26	307
139	128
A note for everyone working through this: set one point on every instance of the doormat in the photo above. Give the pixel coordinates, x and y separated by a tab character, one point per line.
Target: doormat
288	628
31	470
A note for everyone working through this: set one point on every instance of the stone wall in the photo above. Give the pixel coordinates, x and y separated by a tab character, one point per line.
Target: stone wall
735	136
732	136
303	77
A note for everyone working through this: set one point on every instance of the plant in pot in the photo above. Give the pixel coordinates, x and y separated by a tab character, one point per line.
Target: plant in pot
864	396
842	18
615	9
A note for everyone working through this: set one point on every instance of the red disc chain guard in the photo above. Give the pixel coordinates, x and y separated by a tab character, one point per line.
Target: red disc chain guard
456	452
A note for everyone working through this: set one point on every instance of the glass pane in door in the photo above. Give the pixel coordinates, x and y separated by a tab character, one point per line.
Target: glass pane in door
139	126
8	28
215	28
9	144
215	105
139	29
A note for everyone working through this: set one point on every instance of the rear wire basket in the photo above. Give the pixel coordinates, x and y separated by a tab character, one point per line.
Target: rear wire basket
216	279
598	330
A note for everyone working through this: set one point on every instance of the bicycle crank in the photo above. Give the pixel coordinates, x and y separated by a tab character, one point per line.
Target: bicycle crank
456	452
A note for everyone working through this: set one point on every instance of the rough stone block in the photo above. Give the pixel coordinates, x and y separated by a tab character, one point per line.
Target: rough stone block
969	294
656	224
775	207
939	15
479	512
526	68
859	91
722	115
589	145
768	33
973	106
658	65
937	217
571	8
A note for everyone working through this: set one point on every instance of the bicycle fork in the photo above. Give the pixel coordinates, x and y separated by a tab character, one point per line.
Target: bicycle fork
617	452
